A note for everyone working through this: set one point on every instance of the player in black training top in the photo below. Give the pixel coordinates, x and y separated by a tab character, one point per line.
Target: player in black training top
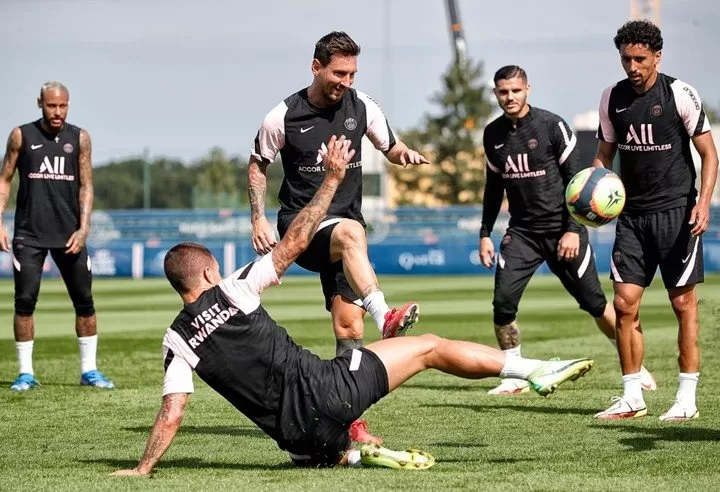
531	156
297	129
304	403
651	119
54	203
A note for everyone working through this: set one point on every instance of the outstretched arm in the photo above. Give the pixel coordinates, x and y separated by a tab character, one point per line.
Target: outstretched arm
303	227
167	423
402	155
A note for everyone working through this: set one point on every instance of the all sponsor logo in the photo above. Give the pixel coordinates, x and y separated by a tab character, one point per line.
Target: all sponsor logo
54	170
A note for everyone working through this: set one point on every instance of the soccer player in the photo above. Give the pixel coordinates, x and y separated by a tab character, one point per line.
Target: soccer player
304	403
54	203
651	118
298	128
532	155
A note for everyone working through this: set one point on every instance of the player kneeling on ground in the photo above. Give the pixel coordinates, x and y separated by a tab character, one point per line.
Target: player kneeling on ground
306	404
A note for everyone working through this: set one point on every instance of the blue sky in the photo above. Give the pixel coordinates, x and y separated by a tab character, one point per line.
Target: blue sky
182	76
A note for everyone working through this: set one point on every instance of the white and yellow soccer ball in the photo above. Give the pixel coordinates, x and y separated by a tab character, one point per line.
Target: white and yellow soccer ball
595	196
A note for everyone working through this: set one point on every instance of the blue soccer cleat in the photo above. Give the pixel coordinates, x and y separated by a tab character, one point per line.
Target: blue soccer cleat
24	382
97	379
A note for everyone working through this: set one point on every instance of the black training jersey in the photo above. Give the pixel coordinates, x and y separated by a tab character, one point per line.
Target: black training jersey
48	202
652	131
234	345
299	131
532	161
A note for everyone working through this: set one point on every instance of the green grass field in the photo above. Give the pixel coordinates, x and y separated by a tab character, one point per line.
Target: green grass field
63	436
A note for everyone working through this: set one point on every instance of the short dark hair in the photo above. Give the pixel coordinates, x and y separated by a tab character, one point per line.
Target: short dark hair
183	263
639	32
509	72
335	43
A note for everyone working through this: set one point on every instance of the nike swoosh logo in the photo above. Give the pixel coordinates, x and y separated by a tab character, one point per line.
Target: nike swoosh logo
35	147
687	258
303	130
620	110
498	146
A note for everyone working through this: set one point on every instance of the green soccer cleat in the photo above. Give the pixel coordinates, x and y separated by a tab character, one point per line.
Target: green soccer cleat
551	374
413	459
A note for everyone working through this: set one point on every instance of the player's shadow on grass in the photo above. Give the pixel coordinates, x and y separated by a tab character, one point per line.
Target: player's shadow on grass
516	407
189	463
646	439
213	430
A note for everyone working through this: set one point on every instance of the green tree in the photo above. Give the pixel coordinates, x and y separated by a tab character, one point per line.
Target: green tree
713	113
451	140
217	181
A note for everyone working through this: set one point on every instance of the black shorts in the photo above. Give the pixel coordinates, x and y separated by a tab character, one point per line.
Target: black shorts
316	258
75	270
522	252
329	395
661	239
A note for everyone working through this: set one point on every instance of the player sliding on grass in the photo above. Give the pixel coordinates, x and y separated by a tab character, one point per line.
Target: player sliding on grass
306	404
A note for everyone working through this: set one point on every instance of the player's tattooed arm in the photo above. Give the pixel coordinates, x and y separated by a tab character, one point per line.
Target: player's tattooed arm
167	423
257	187
303	227
508	336
87	192
12	151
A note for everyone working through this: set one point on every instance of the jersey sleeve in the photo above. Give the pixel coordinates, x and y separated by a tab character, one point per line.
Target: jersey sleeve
690	109
606	131
245	285
178	373
270	137
564	144
378	128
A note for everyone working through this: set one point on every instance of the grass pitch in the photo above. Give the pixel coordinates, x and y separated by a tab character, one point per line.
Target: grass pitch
63	436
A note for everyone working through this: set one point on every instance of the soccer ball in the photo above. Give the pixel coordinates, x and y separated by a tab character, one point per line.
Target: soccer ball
595	196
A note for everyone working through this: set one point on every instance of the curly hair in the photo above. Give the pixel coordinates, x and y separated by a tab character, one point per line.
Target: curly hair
639	32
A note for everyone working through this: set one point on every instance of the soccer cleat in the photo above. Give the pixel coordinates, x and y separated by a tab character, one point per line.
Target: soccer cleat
97	379
623	408
552	373
510	386
647	381
399	321
359	433
412	459
24	382
680	413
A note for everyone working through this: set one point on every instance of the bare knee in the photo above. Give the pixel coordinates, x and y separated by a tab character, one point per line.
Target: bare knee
625	306
684	302
349	234
347	321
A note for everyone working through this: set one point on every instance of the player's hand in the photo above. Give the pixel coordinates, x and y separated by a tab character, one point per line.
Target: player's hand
128	473
412	157
487	252
700	218
339	153
76	242
263	237
569	246
4	239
